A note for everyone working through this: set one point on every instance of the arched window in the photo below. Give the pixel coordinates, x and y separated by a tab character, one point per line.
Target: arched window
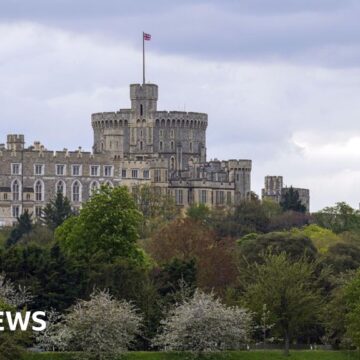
16	190
76	192
161	146
60	187
39	190
172	163
172	145
94	187
141	145
109	184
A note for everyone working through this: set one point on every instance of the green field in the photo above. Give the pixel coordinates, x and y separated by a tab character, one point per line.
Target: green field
242	355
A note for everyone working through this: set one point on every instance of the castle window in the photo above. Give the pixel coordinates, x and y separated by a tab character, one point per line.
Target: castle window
38	211
172	134
228	197
172	163
15	211
123	173
172	145
134	173
108	170
76	170
39	191
76	192
161	146
203	197
146	174
161	133
60	188
191	146
27	197
157	175
94	170
141	110
5	196
219	197
39	169
15	169
16	191
109	184
60	169
141	145
179	196
94	186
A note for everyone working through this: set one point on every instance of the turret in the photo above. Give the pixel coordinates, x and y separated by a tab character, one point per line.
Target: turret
15	142
143	98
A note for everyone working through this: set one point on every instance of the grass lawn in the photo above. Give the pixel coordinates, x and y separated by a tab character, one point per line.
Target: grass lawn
242	355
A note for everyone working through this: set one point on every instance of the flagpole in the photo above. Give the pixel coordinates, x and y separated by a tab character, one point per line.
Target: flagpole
143	36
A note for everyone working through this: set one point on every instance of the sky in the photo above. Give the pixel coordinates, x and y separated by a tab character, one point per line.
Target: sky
279	79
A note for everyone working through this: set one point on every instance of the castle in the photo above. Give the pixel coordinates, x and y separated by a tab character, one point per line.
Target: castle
135	146
274	190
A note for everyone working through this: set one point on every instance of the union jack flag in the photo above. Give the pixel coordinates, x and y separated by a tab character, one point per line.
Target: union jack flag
147	37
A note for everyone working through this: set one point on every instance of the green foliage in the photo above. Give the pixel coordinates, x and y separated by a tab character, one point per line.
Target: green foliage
321	237
157	208
296	245
106	228
199	212
339	218
225	355
290	201
23	227
57	211
352	301
289	290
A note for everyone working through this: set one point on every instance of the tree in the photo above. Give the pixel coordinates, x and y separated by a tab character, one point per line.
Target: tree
102	327
339	218
105	229
322	238
186	240
290	201
199	212
352	310
252	247
23	227
289	290
12	298
203	324
57	211
157	208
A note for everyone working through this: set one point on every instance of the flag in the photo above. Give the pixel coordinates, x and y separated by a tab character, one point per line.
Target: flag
147	37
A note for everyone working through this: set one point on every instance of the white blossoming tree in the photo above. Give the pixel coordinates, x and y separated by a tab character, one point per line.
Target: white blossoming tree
13	295
102	327
203	324
56	335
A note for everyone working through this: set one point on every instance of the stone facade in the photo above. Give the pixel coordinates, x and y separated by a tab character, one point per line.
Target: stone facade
274	190
140	145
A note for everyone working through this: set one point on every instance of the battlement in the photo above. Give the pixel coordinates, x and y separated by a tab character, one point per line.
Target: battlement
15	141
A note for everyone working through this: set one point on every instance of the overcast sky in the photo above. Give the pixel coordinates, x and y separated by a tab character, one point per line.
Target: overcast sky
279	79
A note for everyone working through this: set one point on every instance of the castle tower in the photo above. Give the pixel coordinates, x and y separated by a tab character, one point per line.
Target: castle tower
15	142
143	98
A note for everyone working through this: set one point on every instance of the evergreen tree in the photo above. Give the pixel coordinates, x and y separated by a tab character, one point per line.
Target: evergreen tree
24	226
57	211
290	201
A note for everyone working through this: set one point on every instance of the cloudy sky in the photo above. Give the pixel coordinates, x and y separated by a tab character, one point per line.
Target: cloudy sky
279	79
